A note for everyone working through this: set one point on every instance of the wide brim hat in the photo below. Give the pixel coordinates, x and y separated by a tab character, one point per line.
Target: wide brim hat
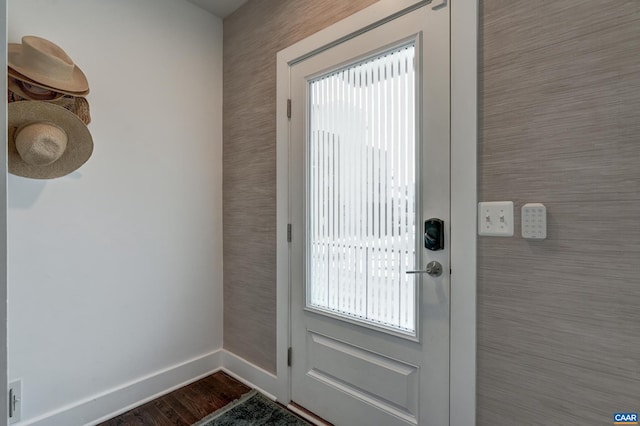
32	92
76	104
42	63
13	74
38	123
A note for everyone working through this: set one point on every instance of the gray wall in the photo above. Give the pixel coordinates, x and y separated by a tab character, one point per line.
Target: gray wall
252	37
559	320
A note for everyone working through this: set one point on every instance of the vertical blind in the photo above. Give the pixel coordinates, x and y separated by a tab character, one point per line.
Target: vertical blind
361	178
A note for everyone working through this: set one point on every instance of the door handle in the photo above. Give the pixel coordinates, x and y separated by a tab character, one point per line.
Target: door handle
433	268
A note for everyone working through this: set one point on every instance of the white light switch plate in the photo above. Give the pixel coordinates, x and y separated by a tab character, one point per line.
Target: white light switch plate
495	218
534	221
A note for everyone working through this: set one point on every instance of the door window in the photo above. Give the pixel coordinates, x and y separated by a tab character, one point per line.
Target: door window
361	195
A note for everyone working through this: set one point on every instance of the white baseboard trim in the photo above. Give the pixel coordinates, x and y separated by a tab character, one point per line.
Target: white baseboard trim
108	404
251	375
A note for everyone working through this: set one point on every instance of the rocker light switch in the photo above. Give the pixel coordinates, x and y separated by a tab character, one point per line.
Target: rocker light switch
495	218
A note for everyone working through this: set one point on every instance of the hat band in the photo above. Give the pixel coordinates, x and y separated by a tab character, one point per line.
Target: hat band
32	92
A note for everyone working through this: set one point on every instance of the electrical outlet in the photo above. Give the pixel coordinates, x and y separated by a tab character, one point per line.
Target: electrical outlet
495	218
15	401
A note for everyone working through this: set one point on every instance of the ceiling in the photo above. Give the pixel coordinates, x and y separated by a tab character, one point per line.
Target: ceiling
221	8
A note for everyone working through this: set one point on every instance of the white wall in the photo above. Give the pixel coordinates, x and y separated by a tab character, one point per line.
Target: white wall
115	272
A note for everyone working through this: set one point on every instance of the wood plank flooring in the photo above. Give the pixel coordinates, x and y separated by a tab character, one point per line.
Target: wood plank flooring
184	406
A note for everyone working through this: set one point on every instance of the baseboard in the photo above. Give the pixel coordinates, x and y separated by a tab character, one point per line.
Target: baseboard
113	402
98	408
251	375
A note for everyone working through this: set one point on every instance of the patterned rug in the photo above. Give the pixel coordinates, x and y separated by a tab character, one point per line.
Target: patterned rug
251	409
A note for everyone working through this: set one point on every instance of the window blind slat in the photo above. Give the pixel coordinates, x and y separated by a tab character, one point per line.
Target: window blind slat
362	189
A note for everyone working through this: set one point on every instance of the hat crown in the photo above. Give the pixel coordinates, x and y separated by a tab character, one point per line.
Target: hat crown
39	62
46	57
41	143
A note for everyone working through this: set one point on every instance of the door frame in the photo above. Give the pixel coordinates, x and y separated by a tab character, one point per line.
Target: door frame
464	54
4	343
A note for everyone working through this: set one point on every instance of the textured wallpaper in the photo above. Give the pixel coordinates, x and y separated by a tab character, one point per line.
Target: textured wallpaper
252	37
559	117
559	319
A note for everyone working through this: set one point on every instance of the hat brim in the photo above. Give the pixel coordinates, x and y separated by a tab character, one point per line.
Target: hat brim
78	84
15	86
16	75
79	144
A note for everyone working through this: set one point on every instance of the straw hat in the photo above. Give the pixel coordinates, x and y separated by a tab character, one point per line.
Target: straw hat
76	104
41	63
46	141
32	92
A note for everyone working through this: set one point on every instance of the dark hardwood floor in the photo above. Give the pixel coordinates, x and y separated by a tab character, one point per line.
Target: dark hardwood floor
184	406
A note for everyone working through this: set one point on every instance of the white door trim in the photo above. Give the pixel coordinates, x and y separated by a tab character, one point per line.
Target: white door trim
464	126
464	44
4	370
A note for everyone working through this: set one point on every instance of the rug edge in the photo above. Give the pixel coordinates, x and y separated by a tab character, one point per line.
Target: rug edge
226	408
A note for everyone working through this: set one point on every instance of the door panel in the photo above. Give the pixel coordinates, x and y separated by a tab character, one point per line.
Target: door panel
363	374
369	161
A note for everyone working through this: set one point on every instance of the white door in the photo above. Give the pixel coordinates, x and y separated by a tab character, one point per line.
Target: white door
369	161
